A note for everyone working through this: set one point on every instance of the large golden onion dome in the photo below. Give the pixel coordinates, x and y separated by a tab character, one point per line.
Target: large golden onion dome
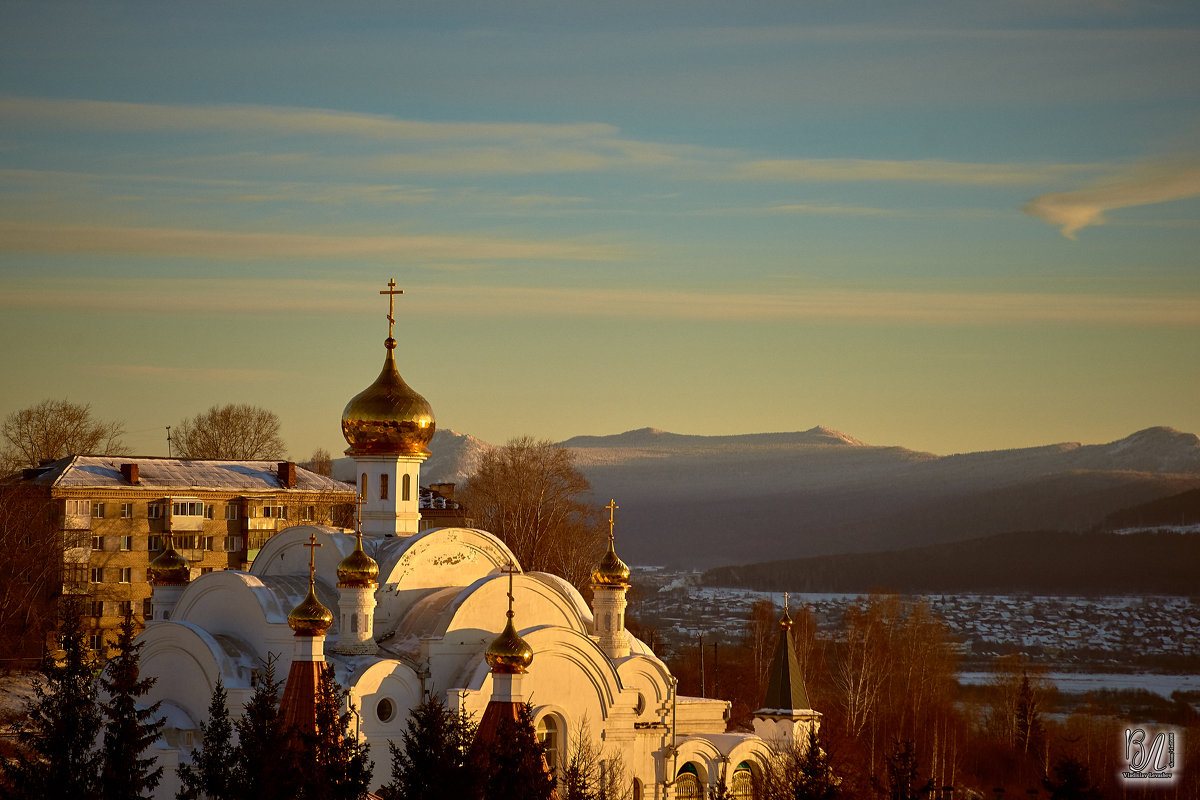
311	617
388	417
612	571
358	569
509	654
169	568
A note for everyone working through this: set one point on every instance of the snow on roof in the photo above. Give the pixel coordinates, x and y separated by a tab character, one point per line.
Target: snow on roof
104	472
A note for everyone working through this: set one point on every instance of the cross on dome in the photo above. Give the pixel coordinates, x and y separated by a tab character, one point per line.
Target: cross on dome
391	292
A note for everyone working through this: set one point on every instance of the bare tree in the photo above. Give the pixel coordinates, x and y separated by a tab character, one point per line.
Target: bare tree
320	462
529	493
238	432
53	429
31	573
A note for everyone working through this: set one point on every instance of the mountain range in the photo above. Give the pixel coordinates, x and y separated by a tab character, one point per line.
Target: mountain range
703	501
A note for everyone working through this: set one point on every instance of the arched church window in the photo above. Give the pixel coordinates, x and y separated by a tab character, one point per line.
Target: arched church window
383	487
687	783
406	488
547	734
363	489
741	786
637	789
385	710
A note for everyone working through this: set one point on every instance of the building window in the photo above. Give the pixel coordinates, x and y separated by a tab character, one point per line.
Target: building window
97	575
126	575
208	542
98	510
126	510
308	513
231	511
363	489
209	511
383	487
233	544
186	541
97	608
147	608
154	511
154	544
274	511
96	641
126	542
187	508
125	607
406	488
547	734
205	570
98	543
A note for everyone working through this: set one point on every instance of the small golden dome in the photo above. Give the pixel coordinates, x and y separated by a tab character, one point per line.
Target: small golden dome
358	569
311	617
509	654
169	569
388	417
612	571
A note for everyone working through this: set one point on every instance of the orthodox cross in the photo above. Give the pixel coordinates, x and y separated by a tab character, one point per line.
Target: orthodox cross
612	507
359	502
391	292
785	602
511	569
312	546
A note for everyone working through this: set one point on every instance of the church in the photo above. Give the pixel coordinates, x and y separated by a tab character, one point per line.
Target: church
398	612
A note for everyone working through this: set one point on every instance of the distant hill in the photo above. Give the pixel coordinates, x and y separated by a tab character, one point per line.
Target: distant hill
1050	562
705	501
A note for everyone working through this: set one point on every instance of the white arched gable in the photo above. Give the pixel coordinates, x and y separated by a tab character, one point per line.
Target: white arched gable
434	559
249	607
286	553
482	605
385	694
193	658
651	679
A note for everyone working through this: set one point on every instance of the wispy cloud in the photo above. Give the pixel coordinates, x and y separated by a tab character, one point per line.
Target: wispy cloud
303	296
176	374
178	242
923	171
1144	185
830	210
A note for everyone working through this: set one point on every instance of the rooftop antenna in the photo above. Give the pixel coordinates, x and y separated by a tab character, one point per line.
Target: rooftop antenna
168	441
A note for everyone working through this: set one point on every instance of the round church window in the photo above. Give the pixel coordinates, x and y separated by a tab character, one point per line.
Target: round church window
385	710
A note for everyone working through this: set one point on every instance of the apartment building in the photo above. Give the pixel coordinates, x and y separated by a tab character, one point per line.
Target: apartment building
114	515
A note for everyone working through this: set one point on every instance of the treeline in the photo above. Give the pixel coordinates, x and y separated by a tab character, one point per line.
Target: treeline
1049	562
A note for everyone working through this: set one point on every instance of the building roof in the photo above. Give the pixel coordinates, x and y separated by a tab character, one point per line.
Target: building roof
785	689
177	474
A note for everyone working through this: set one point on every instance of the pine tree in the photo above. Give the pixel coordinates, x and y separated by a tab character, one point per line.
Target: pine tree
1071	781
126	773
263	766
337	765
516	768
57	757
433	764
814	776
207	777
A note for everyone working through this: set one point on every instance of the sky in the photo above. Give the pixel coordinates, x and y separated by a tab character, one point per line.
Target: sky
950	226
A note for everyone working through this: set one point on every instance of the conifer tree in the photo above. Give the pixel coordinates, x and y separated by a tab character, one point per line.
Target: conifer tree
207	777
126	773
516	768
815	779
337	764
262	765
433	764
57	757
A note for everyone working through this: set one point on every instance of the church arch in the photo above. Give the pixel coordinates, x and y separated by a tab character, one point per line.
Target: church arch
688	785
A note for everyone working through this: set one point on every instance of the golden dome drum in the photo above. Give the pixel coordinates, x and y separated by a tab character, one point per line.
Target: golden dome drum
358	570
509	654
169	569
388	417
311	617
612	571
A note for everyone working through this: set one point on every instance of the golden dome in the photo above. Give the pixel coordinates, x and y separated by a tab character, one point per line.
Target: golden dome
612	571
169	569
358	569
509	654
310	618
388	417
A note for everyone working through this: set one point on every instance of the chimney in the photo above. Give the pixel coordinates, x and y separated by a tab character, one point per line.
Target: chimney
130	471
287	474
